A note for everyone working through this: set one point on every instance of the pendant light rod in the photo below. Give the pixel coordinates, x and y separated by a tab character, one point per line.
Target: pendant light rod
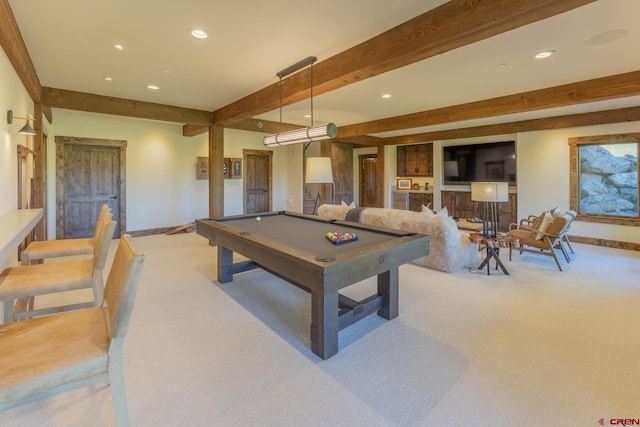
297	66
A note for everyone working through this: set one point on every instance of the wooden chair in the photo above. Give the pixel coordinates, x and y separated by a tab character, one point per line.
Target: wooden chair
48	355
528	222
28	281
39	250
551	240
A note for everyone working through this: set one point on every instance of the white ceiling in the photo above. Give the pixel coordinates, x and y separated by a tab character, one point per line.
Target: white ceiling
70	43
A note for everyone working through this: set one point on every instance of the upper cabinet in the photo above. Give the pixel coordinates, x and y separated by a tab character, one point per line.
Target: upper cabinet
415	160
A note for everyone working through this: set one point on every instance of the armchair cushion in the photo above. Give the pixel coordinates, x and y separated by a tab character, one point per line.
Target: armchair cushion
540	225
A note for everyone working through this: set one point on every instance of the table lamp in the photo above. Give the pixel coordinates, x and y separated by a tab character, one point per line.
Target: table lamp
319	172
490	193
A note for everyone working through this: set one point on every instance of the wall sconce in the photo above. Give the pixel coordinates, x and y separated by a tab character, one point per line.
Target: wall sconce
304	135
26	129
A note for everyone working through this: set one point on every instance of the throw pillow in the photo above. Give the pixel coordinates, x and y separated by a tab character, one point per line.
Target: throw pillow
427	211
443	212
343	203
351	205
555	212
540	225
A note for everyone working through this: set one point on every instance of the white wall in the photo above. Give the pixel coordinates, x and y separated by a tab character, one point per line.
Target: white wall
162	189
543	177
13	96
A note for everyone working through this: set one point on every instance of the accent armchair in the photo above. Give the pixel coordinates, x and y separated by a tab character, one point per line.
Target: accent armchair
543	235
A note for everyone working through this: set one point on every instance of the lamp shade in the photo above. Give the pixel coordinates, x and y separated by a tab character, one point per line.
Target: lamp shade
319	170
489	191
27	130
297	136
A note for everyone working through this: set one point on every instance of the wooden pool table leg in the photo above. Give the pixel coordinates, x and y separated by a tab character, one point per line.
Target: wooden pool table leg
388	290
225	262
324	324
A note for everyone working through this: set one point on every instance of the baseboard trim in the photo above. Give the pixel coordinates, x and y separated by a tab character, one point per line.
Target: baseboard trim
152	231
605	243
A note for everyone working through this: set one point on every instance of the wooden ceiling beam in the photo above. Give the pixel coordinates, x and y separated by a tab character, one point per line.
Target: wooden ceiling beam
447	27
364	140
620	115
70	100
16	50
620	85
265	126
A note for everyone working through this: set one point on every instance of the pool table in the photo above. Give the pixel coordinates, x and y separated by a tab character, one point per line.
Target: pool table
294	247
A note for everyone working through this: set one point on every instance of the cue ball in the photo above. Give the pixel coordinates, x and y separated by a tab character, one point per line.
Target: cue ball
258	218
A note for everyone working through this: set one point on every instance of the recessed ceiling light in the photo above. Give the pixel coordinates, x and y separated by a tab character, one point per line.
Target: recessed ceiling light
545	54
197	33
501	65
307	116
386	95
118	47
108	79
153	87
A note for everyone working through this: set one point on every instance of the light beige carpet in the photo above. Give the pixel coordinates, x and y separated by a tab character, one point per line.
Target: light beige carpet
537	348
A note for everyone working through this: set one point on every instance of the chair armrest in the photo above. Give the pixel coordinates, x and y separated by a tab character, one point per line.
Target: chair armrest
520	226
528	220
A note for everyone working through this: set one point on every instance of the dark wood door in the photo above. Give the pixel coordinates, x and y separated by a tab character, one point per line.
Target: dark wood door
89	173
257	181
368	180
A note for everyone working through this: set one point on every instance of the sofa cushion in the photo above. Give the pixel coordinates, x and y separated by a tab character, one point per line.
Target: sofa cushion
333	211
444	212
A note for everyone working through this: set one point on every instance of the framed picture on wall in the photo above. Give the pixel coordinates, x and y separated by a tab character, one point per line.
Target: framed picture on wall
236	168
202	168
227	168
403	183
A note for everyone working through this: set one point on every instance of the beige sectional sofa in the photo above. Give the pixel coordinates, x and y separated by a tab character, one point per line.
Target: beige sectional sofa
450	250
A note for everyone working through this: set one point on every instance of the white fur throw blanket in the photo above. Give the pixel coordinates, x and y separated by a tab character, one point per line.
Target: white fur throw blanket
450	249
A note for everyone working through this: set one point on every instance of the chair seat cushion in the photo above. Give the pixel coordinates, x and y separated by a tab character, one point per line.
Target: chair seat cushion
44	352
29	280
525	238
57	248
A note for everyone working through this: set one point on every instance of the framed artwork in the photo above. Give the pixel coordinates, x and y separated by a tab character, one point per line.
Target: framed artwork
202	168
236	168
227	168
604	179
403	183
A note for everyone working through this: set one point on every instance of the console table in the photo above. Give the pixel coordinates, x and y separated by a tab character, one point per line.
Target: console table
15	225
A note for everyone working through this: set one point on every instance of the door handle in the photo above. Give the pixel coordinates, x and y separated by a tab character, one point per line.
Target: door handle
113	197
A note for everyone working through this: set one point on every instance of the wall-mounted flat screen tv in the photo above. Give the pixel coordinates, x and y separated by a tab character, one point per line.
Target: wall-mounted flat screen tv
494	161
